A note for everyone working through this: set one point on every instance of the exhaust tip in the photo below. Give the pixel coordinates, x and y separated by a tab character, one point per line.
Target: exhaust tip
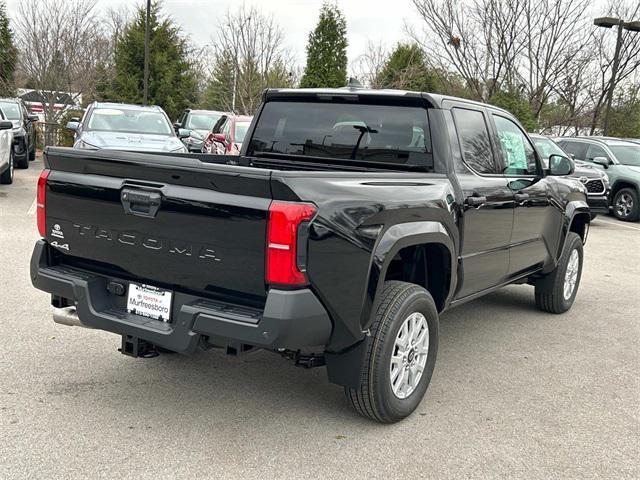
67	316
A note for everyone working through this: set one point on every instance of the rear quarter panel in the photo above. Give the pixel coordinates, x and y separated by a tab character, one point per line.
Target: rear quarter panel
354	212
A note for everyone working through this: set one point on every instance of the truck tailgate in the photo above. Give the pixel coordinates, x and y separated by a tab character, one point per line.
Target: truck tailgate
167	220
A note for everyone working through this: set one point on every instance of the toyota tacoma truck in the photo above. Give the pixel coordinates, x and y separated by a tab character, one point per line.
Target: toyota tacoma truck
351	220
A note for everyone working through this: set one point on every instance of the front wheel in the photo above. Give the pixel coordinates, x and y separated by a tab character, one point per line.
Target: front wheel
556	292
626	206
401	354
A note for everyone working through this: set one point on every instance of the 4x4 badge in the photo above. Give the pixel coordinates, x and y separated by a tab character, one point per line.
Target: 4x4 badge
63	246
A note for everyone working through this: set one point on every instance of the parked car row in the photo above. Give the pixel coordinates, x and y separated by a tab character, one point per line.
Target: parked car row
147	128
609	168
17	137
620	159
595	181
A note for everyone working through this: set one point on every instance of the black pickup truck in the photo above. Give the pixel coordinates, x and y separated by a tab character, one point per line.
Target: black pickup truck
351	220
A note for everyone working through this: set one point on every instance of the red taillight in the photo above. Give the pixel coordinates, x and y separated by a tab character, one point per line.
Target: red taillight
40	203
282	242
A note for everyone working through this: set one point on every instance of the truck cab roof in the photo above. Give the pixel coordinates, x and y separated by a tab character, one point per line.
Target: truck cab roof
434	100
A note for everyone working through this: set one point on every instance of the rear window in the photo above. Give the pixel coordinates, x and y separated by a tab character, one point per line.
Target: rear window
394	135
241	131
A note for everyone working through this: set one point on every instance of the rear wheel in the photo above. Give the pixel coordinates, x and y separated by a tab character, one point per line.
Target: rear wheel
626	206
32	152
7	176
593	216
401	354
556	292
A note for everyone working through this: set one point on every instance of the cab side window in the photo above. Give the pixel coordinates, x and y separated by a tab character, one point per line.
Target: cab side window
474	140
518	155
577	149
595	151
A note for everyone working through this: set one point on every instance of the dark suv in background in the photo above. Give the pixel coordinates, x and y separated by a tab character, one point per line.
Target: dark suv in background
24	130
594	179
199	123
620	159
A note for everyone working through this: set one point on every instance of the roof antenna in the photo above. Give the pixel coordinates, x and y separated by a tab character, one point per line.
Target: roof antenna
354	83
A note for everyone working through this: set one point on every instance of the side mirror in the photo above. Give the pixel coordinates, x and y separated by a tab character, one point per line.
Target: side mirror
183	133
75	119
5	125
32	117
177	126
602	161
219	137
560	165
73	126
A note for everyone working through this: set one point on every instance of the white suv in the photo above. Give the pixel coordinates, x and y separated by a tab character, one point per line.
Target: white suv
6	150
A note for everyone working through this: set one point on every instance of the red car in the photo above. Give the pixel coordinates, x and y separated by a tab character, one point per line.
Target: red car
227	135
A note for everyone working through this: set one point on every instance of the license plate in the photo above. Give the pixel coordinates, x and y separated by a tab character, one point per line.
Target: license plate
150	302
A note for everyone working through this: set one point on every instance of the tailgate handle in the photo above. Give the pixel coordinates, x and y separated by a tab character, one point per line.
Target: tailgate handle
140	202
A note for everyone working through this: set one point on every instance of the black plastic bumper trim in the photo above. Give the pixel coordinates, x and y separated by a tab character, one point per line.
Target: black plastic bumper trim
291	319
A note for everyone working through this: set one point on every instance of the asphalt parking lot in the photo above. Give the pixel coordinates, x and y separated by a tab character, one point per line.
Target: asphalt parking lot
516	393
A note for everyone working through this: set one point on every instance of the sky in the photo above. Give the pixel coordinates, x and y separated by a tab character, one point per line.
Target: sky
367	20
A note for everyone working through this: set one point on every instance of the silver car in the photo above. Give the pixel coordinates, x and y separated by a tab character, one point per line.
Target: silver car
120	126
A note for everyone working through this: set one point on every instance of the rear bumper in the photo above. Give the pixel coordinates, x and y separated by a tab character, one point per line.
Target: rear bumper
598	203
290	319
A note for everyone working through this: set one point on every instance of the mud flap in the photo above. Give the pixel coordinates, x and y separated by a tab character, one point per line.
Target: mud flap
345	368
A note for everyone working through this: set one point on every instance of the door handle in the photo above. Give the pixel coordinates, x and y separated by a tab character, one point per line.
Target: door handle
141	203
474	201
521	197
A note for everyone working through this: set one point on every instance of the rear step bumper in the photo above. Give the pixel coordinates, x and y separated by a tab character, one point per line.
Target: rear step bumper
291	319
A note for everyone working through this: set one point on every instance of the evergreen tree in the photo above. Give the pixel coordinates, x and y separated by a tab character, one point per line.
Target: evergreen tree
218	92
8	54
172	82
514	102
625	116
327	51
406	69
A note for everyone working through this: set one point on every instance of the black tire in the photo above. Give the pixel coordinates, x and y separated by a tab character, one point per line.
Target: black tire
23	162
7	176
32	152
550	289
626	206
593	216
375	398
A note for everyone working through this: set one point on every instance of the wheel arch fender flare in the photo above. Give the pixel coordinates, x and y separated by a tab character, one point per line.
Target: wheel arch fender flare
577	210
392	241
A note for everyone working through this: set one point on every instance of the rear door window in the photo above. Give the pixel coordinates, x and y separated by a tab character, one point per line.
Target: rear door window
474	140
577	149
595	151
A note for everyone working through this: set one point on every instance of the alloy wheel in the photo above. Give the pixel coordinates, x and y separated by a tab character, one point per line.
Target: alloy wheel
409	355
624	205
571	275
